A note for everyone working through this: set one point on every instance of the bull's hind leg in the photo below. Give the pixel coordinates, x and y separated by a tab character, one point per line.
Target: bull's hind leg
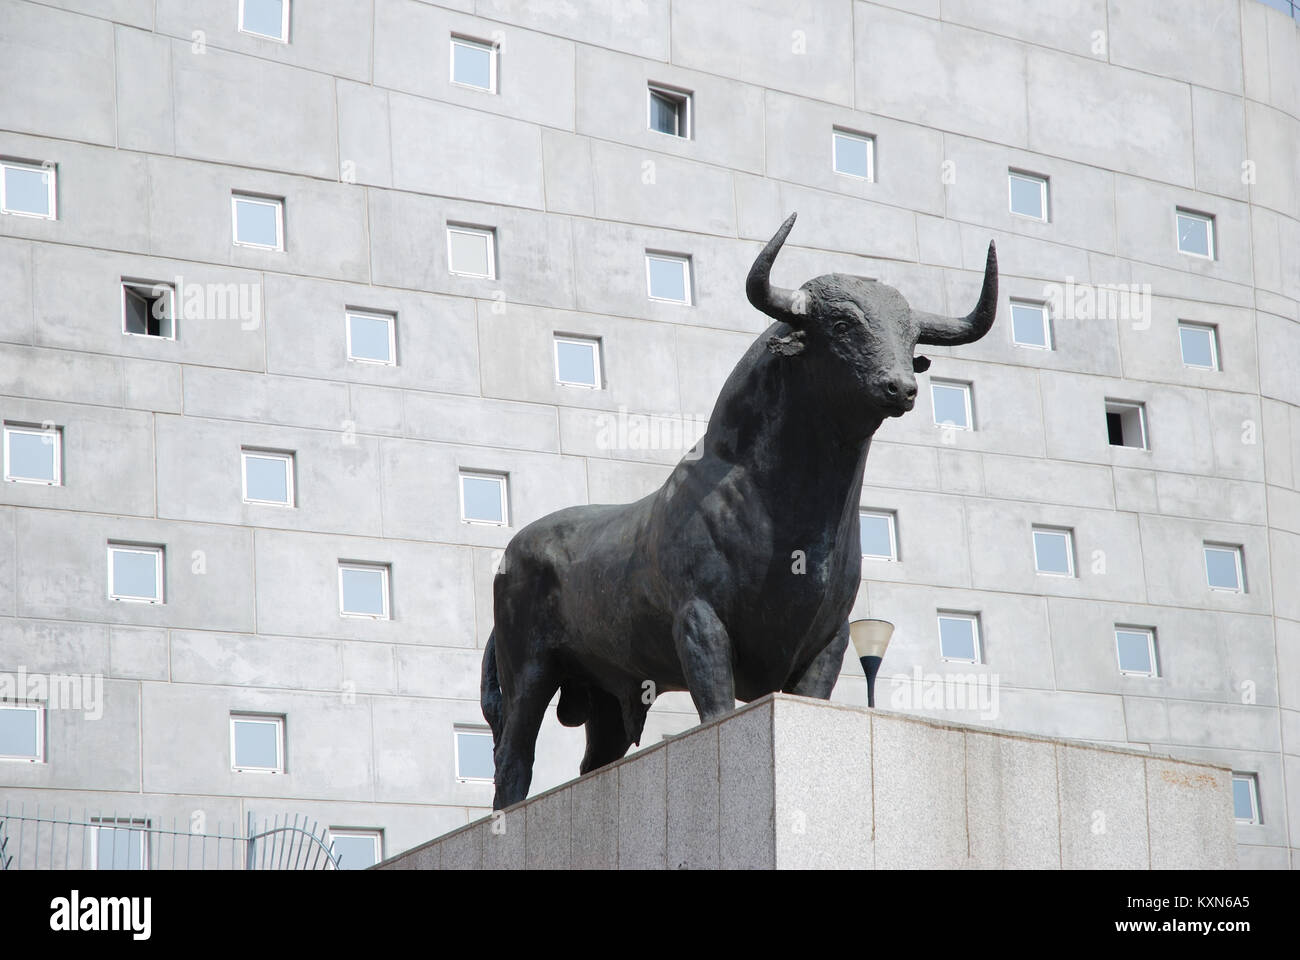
525	705
607	738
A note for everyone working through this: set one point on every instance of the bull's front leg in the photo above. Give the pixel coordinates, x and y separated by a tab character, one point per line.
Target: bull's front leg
704	651
819	679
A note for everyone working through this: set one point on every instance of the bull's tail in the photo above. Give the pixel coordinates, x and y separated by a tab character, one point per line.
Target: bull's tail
490	688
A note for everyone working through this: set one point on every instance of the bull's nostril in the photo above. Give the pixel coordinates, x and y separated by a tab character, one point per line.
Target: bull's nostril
891	389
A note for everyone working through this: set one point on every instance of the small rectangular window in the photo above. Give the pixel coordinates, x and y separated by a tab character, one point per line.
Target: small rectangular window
27	189
265	18
668	277
471	251
356	849
853	154
268	477
363	590
1136	649
1126	424
22	731
1223	567
577	361
1195	233
483	498
1199	344
669	111
1054	551
1028	195
1245	798
474	762
258	221
959	637
33	454
474	64
371	337
148	309
952	404
135	572
1030	325
877	532
256	743
119	843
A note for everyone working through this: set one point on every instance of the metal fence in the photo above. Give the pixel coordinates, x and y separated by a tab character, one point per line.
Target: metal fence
45	841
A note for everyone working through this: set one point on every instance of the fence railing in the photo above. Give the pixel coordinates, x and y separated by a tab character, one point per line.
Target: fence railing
46	841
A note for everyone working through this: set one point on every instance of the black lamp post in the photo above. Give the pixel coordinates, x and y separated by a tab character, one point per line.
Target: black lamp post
870	638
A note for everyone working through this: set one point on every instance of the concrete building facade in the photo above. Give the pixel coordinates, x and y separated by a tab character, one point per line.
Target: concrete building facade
396	268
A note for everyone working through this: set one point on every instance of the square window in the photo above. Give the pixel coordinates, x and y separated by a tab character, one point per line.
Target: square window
357	849
577	361
1195	233
1223	567
952	404
471	251
33	454
1136	649
1199	344
135	572
256	743
1028	195
474	755
853	154
878	534
1245	798
372	337
268	477
258	221
1126	424
1053	552
119	843
363	590
1030	325
483	498
959	637
669	111
27	189
22	731
265	18
668	277
148	309
474	64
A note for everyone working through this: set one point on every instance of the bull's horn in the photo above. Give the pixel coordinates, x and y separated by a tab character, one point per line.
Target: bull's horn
777	302
952	331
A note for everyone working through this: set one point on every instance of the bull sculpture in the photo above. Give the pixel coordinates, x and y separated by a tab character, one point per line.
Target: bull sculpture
735	579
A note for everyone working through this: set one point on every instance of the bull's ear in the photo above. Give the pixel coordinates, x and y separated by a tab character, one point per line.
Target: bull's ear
920	364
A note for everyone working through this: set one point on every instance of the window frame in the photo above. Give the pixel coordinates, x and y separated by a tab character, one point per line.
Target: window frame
358	833
1252	780
688	276
1044	196
470	229
1049	341
140	825
168	293
856	135
1068	534
977	634
1129	405
9	427
597	359
284	24
1239	560
493	51
457	730
390	318
385	571
278	720
503	480
1210	328
51	188
39	709
968	391
275	202
1153	673
685	109
158	551
286	456
1211	240
891	517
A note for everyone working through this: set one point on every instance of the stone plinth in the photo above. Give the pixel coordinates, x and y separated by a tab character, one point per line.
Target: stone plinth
790	783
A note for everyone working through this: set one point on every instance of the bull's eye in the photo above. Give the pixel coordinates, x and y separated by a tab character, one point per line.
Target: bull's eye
841	327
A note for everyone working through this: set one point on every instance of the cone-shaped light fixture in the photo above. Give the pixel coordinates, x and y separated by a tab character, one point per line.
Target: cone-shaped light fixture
870	639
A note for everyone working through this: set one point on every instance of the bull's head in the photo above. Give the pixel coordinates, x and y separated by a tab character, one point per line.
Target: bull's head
864	329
